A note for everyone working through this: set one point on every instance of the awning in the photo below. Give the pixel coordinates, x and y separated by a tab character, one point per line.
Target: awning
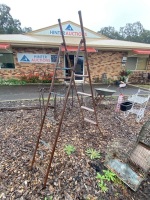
4	46
147	52
72	48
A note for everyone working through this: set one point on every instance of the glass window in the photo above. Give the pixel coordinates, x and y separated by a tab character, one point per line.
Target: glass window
131	63
53	58
6	60
141	64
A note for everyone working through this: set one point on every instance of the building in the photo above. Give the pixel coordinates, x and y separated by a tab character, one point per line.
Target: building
36	52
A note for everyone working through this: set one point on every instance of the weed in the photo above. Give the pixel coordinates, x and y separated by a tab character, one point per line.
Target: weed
109	176
100	177
69	149
103	186
93	154
48	198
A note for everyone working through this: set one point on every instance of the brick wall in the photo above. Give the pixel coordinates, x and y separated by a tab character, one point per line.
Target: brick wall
28	68
101	62
105	62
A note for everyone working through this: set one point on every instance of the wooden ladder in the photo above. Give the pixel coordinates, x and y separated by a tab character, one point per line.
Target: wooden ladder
79	94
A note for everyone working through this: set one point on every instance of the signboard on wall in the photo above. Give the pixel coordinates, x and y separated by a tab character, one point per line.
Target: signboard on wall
36	58
69	29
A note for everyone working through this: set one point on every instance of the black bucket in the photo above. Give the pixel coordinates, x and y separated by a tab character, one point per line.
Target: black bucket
125	106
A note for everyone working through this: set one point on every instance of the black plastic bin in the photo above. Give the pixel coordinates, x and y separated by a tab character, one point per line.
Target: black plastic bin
125	106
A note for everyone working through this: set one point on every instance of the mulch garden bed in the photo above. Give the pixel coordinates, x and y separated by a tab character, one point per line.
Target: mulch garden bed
71	177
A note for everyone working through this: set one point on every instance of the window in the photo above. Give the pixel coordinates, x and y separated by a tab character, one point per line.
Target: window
134	63
141	64
53	58
6	61
131	63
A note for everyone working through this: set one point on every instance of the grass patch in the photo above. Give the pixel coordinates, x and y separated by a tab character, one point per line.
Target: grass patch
144	86
12	82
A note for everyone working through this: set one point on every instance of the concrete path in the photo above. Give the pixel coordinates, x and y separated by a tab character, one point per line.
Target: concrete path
10	93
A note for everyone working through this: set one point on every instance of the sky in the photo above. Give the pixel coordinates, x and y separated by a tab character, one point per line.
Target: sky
96	14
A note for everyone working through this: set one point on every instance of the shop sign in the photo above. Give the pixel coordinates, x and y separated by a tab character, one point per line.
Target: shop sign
36	58
69	29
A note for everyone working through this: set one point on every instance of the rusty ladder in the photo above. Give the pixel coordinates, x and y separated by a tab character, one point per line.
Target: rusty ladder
79	94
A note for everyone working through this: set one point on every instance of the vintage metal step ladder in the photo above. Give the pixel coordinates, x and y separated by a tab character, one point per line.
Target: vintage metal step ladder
79	94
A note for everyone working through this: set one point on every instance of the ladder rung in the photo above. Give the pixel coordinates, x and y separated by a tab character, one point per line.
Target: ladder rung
86	108
63	68
85	94
79	75
89	120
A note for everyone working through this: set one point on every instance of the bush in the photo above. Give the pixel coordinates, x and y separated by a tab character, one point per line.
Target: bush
47	78
35	78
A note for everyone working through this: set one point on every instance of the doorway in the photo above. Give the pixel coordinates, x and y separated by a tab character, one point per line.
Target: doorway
79	68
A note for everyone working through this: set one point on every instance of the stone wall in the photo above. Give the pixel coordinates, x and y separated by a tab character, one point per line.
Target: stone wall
140	77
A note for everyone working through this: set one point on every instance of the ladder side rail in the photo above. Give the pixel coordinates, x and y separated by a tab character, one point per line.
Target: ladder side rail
62	112
75	64
87	63
59	127
64	43
46	108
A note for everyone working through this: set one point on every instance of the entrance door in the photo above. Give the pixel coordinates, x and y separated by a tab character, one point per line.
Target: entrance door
79	67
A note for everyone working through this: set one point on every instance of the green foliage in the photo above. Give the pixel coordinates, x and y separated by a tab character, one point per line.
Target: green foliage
48	198
12	82
8	25
125	72
108	176
92	153
103	186
100	177
130	32
69	149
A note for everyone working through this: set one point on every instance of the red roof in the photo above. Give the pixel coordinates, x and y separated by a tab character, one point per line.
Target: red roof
4	46
138	51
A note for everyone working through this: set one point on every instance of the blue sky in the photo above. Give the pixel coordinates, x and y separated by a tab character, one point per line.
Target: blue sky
95	14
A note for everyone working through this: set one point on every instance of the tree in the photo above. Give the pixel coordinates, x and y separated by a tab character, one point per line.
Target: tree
110	32
8	25
131	32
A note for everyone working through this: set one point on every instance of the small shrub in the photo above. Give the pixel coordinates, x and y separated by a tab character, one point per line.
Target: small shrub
33	78
47	78
69	149
103	186
109	176
92	153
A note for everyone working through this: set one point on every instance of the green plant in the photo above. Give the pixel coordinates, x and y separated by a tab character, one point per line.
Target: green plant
125	72
92	153
109	176
48	198
103	186
69	149
12	82
100	177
